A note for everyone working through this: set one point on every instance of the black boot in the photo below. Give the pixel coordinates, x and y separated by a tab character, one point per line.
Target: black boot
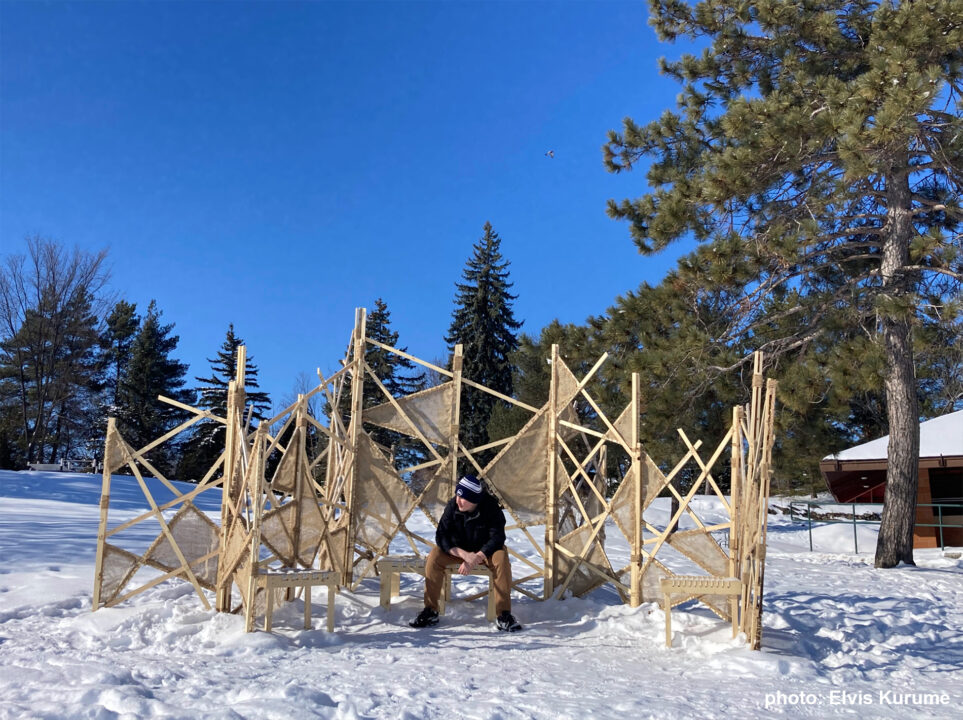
426	618
507	622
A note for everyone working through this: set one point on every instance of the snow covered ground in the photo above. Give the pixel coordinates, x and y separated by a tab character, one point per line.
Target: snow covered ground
840	639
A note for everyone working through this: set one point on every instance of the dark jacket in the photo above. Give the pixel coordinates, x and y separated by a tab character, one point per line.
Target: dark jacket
483	529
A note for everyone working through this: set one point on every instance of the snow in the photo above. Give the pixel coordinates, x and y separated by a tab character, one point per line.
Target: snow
939	436
840	639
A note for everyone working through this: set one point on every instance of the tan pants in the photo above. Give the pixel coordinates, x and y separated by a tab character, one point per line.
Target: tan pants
498	563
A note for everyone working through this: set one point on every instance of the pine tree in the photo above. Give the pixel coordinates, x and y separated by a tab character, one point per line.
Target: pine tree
532	373
207	442
141	417
398	375
815	154
663	333
484	324
117	341
76	387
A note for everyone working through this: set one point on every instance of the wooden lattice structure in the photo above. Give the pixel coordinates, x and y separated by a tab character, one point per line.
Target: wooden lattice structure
267	537
549	478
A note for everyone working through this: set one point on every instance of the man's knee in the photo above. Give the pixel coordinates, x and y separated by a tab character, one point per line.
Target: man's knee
439	559
499	560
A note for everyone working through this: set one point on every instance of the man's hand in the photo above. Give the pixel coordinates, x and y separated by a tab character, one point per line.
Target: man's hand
470	561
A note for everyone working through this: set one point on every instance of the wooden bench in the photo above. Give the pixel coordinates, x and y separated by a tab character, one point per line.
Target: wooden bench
695	585
292	578
391	567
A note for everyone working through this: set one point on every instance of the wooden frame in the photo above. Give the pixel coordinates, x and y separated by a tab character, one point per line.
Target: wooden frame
551	473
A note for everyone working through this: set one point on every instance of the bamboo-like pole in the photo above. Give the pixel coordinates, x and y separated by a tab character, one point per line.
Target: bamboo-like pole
635	596
232	436
735	491
254	482
354	430
104	504
765	478
551	509
457	362
299	446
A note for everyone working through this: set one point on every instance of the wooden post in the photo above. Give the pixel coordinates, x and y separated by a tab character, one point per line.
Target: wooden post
735	492
457	361
104	504
354	430
255	490
222	601
298	447
635	597
551	509
233	436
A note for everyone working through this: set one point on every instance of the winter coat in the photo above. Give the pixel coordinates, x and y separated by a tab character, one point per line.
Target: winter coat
482	529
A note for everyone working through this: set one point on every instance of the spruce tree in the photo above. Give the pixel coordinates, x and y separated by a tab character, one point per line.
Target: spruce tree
141	417
207	442
397	374
76	386
117	340
815	154
484	324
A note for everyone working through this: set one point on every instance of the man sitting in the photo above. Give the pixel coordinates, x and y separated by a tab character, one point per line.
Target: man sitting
471	533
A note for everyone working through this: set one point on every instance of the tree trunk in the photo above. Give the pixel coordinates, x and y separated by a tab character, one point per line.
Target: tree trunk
895	542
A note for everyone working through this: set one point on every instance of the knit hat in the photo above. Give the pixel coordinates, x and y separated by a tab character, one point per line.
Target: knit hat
469	487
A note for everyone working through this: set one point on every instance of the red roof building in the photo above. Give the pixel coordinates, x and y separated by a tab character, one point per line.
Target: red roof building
859	475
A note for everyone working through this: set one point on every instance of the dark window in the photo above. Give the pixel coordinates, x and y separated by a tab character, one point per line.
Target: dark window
946	486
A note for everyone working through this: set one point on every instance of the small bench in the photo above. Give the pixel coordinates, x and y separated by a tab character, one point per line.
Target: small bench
292	578
695	585
391	567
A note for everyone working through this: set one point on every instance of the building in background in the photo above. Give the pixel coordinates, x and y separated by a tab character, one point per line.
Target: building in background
859	475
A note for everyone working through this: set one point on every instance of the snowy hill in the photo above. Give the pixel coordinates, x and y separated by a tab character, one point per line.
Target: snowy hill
840	639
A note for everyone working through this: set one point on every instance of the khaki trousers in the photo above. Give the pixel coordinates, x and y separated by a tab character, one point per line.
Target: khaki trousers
498	563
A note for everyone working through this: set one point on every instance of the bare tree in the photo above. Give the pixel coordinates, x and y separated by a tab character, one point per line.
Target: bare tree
50	307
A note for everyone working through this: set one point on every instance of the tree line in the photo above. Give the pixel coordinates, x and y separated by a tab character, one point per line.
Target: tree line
71	356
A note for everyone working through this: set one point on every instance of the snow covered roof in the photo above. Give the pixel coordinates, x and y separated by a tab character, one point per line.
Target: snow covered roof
939	436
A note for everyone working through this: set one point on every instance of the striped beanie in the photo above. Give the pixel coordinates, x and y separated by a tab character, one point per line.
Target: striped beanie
469	487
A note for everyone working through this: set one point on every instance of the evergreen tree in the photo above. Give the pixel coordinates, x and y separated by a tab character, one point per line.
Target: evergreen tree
141	417
815	154
207	442
663	332
532	373
399	377
117	341
827	401
75	429
484	324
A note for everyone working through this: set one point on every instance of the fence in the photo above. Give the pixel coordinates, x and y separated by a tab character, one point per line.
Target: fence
802	511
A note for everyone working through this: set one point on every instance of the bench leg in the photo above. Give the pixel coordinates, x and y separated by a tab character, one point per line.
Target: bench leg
386	582
332	593
307	606
668	620
395	584
445	592
269	591
734	611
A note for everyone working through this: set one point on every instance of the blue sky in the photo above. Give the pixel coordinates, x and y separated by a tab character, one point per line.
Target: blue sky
277	164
